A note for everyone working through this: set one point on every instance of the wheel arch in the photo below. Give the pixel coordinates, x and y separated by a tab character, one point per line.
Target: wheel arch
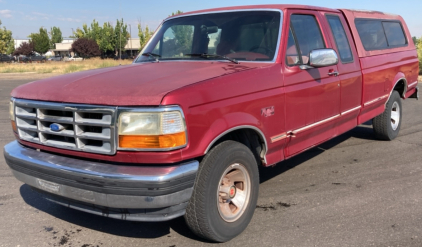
227	135
400	86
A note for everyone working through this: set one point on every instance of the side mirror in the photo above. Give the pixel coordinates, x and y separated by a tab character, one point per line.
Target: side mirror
321	58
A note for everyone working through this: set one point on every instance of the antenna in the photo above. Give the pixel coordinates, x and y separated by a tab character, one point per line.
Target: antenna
120	30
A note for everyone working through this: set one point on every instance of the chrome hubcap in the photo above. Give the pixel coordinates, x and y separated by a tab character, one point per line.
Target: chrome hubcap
395	116
233	192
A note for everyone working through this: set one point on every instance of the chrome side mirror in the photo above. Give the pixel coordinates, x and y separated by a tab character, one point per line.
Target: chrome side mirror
321	58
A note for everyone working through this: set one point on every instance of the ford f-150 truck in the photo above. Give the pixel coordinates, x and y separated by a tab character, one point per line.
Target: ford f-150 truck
213	95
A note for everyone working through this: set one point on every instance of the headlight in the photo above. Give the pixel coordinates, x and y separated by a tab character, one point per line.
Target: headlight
151	130
12	115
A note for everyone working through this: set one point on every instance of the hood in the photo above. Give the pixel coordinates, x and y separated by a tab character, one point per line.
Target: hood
130	85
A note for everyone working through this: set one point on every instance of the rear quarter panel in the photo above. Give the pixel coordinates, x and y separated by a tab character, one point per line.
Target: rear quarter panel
382	69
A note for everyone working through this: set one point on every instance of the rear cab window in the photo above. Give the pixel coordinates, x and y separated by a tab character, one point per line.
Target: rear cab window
395	34
377	34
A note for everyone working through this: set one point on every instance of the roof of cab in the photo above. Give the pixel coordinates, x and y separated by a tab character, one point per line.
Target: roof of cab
359	13
260	7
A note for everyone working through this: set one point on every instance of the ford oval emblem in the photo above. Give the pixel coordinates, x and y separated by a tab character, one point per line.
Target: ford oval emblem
56	127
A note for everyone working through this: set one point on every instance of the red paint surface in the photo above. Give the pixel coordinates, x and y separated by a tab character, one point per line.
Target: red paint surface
219	96
130	85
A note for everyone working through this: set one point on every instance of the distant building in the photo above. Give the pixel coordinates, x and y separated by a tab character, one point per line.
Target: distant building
133	46
18	42
63	48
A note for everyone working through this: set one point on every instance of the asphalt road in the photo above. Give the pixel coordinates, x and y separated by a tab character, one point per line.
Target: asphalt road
350	191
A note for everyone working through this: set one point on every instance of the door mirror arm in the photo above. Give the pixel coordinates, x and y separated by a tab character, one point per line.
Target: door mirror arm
305	67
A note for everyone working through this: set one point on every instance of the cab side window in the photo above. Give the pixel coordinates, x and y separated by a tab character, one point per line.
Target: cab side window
340	37
307	34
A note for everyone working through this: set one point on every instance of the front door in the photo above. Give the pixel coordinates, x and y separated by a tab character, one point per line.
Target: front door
312	95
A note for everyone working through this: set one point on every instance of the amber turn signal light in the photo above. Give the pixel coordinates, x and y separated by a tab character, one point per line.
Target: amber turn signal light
152	141
15	129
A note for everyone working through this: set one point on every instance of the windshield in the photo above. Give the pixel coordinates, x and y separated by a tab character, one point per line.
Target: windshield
243	36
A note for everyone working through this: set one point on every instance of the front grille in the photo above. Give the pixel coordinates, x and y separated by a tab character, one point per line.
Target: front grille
86	128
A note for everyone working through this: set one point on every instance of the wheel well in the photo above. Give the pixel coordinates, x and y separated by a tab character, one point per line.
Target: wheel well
250	138
400	87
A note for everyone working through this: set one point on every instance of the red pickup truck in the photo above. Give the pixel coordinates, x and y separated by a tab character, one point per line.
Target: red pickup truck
213	95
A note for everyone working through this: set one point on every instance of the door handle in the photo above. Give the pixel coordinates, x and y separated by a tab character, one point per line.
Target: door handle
334	73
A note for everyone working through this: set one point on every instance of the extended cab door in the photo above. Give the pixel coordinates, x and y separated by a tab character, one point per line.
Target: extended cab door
312	95
350	73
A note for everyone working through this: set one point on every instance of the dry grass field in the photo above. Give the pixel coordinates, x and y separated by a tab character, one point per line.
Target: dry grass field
60	67
420	78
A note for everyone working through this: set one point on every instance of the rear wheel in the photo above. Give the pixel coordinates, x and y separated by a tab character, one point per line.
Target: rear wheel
225	193
387	125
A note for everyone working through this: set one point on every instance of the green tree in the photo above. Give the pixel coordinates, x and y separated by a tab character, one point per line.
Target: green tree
56	36
108	38
106	42
177	13
91	32
419	47
121	35
41	41
79	33
10	47
144	35
5	39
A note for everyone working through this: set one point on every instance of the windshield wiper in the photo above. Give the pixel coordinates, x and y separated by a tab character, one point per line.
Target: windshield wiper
153	55
205	55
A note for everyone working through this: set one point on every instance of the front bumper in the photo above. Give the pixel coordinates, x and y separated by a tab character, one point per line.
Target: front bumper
139	193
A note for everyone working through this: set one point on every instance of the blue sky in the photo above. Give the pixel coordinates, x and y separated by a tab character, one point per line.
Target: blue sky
26	16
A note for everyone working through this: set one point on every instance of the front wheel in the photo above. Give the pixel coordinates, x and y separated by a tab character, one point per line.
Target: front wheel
387	125
225	193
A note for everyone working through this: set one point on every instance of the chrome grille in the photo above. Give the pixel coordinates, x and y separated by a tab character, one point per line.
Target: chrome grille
87	128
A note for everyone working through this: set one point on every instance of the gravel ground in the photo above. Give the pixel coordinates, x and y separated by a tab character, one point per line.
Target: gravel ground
350	191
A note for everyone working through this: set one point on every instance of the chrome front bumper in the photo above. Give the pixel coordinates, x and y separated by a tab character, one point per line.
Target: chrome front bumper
161	192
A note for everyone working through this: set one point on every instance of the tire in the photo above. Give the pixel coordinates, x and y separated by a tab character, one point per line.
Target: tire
387	125
212	214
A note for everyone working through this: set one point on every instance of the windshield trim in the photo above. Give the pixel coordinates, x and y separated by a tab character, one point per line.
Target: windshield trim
217	12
